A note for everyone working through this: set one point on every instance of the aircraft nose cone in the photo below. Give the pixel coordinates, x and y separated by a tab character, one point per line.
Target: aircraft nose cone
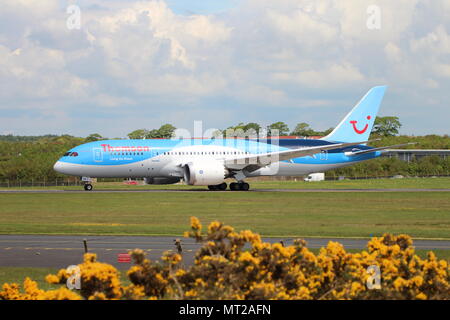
59	167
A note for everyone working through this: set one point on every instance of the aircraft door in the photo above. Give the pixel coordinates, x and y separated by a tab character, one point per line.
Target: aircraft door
324	155
98	154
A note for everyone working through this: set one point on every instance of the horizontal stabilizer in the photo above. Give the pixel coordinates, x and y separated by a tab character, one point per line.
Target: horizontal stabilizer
357	153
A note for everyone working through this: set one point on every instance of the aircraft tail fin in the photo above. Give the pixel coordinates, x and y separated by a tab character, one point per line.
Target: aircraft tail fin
358	123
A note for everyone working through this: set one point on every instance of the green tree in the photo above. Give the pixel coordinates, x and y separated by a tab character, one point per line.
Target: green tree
138	134
281	127
250	129
386	126
94	137
302	129
166	131
326	132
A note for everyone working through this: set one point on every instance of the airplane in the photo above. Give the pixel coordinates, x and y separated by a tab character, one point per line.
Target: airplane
208	162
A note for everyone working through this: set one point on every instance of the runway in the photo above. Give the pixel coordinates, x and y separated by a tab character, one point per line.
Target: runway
206	190
61	251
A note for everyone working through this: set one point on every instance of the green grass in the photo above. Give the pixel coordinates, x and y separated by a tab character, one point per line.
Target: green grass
425	214
18	275
406	183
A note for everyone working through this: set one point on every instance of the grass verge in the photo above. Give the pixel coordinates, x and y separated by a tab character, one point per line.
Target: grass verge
327	214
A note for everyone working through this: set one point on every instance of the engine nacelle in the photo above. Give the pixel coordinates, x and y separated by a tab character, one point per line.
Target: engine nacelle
204	173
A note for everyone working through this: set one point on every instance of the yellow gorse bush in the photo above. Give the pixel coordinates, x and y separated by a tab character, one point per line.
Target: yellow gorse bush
32	292
239	265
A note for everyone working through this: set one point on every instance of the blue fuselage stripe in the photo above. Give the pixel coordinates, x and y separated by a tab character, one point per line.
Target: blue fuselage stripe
120	152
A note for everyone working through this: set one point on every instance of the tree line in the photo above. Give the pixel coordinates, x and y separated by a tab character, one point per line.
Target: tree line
384	126
32	157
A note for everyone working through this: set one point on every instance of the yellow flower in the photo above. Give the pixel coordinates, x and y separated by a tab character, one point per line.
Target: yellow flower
356	288
247	257
421	296
399	283
191	293
417	280
213	226
195	224
60	294
51	278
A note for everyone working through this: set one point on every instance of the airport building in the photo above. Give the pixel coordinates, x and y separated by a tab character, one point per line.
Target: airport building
411	154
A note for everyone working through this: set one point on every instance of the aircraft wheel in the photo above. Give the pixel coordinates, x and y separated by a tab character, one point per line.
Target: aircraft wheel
212	188
222	186
88	187
244	186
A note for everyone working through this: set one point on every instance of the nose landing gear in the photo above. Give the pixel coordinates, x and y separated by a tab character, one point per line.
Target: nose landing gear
87	183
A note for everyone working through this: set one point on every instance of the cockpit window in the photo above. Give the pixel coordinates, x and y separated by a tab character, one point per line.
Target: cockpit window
71	154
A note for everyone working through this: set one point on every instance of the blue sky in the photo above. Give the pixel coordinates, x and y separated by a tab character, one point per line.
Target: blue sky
140	64
201	6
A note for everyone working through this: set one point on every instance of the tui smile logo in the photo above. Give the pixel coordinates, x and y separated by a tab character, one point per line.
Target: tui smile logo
354	122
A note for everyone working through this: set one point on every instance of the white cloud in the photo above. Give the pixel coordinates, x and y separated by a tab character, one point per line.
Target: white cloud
141	56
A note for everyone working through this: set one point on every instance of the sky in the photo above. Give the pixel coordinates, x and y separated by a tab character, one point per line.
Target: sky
114	66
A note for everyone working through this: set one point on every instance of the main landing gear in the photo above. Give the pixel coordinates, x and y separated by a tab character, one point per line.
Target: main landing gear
88	187
219	187
239	186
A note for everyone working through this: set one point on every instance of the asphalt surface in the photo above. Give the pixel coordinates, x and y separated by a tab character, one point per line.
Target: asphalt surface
205	190
62	251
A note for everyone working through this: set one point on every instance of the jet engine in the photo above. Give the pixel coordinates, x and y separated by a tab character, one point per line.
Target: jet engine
204	173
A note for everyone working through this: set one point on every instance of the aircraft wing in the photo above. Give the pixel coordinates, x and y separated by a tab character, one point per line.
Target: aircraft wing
262	160
357	153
